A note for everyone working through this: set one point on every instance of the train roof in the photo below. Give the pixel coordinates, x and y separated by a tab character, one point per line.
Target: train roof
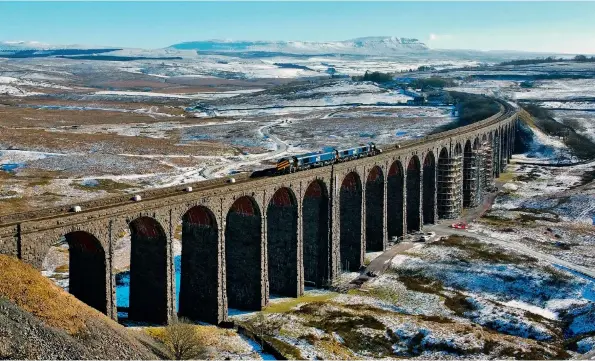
305	155
356	147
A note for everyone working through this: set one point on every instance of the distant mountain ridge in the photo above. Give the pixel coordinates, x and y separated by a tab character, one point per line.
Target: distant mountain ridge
374	45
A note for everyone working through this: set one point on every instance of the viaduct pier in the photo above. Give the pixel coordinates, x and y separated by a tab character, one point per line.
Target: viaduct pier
246	240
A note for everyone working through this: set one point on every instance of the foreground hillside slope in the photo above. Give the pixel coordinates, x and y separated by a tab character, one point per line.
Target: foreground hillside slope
38	320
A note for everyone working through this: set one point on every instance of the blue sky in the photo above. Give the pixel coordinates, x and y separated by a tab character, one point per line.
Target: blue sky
533	26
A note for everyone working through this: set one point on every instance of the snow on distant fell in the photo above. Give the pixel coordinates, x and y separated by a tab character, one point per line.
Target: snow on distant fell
377	45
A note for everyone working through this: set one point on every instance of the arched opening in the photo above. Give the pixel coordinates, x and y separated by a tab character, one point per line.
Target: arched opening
487	164
457	157
413	195
315	232
511	142
351	222
199	274
77	263
282	243
148	271
469	176
375	210
429	190
504	150
479	161
496	154
394	200
448	185
243	249
87	270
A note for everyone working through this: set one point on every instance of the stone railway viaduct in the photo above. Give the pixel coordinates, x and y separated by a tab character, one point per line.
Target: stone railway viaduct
271	235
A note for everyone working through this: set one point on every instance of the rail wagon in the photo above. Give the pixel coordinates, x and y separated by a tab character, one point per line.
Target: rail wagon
322	158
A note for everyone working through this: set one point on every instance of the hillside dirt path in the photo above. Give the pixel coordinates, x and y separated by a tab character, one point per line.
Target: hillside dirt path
378	265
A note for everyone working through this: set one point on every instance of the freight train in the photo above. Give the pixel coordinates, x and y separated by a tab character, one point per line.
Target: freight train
321	158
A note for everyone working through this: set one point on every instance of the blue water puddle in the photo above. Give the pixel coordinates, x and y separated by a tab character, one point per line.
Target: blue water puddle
588	291
200	137
10	167
256	347
367	135
123	286
400	133
123	289
89	182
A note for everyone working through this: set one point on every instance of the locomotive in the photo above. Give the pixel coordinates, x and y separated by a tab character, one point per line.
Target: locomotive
321	158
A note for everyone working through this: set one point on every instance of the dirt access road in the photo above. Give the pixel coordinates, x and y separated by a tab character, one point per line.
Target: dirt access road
378	266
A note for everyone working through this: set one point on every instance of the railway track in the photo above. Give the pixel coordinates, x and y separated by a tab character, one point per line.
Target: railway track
506	111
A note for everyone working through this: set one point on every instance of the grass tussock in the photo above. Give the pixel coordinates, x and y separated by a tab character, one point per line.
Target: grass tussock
382	293
28	289
289	351
483	251
419	283
507	176
336	349
107	185
40	182
62	269
206	338
287	306
459	304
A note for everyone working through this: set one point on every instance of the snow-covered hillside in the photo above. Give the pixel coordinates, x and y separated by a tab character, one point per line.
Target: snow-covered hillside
376	45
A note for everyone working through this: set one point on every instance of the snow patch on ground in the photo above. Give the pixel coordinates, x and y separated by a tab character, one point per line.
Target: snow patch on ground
533	309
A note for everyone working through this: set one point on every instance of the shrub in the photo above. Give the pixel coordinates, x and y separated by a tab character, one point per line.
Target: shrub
182	341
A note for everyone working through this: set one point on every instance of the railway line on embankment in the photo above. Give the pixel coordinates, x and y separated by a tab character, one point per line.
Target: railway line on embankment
506	111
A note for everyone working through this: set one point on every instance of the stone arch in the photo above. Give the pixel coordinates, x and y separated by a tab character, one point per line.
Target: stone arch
282	243
487	165
243	255
480	162
496	154
148	271
350	233
504	148
413	194
429	189
394	199
470	176
200	266
87	269
315	233
458	149
511	142
375	210
448	185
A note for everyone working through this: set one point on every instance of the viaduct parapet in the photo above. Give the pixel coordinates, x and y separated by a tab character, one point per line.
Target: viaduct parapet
243	241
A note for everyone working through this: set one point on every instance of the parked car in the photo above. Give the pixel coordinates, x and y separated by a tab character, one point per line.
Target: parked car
459	225
423	238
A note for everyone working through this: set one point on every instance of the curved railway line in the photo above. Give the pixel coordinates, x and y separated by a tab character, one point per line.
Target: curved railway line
259	235
506	111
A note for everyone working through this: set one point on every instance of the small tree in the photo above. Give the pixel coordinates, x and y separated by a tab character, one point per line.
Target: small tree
181	340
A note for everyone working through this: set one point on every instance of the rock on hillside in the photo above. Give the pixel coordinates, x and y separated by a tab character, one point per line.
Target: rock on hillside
38	320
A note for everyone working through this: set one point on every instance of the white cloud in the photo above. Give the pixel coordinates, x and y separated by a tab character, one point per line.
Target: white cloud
439	37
